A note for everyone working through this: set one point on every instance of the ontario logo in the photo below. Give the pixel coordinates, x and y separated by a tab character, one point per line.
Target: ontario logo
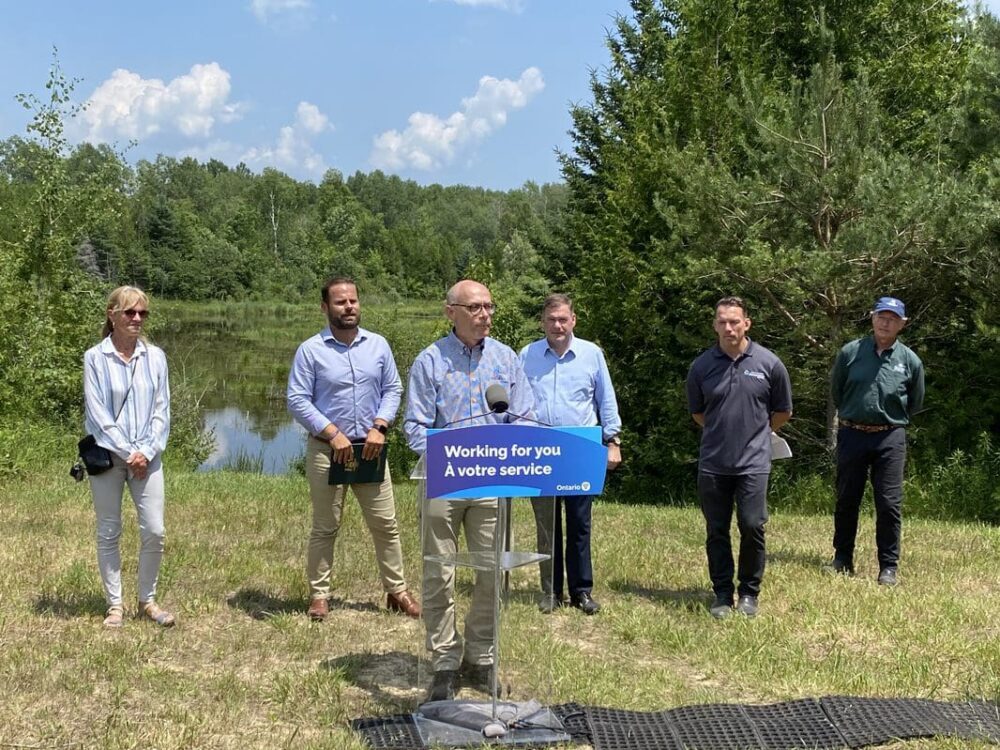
582	486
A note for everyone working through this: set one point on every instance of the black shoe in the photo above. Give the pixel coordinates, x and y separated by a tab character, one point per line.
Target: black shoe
549	603
478	677
444	685
887	577
839	566
585	603
747	605
722	607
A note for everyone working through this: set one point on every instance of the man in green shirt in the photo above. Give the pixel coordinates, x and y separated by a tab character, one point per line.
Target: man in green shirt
877	385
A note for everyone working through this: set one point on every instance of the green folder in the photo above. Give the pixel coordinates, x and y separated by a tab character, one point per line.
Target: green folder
359	471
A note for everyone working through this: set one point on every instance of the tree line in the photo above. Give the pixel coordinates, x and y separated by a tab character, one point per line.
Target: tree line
807	156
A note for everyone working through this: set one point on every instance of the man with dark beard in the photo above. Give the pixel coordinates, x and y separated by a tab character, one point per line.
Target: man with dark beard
344	389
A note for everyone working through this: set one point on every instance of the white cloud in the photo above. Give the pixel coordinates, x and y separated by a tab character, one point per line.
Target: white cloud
429	141
130	106
512	5
293	150
310	118
263	9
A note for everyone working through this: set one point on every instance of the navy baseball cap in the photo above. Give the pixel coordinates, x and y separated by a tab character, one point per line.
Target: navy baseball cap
890	304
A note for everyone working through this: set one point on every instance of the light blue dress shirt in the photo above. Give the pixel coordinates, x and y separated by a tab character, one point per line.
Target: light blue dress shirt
574	390
349	386
448	382
144	423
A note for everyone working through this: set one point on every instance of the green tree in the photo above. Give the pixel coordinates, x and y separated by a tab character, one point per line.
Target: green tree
47	305
778	151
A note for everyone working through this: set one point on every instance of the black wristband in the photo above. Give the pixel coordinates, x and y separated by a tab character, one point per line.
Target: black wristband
381	428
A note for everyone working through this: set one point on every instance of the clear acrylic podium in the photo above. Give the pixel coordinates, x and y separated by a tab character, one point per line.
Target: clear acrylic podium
466	721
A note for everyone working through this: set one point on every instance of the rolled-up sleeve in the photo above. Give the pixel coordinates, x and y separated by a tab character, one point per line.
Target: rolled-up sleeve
421	403
392	389
300	393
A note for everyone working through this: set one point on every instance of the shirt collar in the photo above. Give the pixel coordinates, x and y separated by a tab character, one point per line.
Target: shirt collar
748	352
889	349
456	341
329	338
570	348
108	348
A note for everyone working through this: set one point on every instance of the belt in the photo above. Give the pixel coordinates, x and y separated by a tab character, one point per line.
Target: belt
867	427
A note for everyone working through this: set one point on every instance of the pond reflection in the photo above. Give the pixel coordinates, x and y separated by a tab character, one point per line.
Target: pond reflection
241	444
237	355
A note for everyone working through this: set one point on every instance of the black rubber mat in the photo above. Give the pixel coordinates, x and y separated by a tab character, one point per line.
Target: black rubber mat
808	724
874	721
831	723
397	732
796	724
574	719
612	729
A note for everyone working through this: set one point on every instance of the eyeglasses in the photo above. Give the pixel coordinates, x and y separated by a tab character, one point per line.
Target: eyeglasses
476	307
131	313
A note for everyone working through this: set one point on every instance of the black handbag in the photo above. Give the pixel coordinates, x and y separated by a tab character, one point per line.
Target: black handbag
95	457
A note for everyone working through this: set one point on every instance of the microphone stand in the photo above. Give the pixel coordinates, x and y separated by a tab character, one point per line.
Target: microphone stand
508	529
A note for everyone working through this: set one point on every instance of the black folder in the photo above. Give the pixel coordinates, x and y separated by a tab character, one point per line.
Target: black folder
358	470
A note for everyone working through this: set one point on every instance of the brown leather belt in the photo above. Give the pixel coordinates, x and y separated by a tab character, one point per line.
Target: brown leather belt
867	427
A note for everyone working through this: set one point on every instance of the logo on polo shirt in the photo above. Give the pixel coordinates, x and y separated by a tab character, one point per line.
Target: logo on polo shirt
755	374
899	367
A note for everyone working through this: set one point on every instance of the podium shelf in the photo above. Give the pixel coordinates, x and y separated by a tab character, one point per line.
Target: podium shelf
488	561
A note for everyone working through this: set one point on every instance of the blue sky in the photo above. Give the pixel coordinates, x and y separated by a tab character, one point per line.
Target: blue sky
450	91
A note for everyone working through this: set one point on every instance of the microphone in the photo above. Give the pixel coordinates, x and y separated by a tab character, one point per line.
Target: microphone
496	398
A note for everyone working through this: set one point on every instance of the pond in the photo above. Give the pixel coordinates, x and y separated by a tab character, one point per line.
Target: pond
238	356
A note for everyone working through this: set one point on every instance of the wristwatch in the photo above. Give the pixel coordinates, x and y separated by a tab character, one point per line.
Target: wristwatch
613	441
381	428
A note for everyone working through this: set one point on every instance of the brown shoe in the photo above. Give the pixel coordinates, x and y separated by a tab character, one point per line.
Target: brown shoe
403	602
319	609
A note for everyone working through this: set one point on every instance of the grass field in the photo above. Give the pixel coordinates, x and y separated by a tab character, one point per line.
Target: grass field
245	668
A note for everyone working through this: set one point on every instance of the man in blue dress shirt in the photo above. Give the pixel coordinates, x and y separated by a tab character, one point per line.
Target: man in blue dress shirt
344	389
447	384
572	387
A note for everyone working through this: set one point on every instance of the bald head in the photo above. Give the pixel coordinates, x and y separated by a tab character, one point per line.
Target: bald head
469	307
462	289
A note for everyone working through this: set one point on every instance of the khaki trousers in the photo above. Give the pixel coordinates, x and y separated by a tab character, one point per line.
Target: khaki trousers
379	508
442	520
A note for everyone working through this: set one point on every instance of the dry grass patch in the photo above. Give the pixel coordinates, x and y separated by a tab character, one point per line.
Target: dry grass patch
245	668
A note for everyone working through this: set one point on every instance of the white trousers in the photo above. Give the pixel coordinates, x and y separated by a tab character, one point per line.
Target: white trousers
147	495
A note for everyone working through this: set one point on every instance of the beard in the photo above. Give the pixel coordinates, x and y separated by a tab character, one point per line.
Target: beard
338	322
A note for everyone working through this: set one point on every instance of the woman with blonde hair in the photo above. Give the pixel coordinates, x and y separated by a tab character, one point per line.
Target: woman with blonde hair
127	410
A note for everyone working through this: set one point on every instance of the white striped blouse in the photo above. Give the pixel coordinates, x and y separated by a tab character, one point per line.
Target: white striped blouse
144	422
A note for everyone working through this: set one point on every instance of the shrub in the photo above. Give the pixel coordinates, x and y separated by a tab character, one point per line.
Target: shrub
966	486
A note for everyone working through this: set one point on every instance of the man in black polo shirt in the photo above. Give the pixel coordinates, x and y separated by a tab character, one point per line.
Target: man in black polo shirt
739	392
877	384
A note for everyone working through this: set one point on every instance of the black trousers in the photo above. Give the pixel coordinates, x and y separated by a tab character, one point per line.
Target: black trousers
718	493
548	525
882	456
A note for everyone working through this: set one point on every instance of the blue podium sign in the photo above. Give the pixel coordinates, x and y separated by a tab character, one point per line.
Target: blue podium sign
514	460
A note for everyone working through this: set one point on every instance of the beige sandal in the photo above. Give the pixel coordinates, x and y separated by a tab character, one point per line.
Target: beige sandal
115	617
161	617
